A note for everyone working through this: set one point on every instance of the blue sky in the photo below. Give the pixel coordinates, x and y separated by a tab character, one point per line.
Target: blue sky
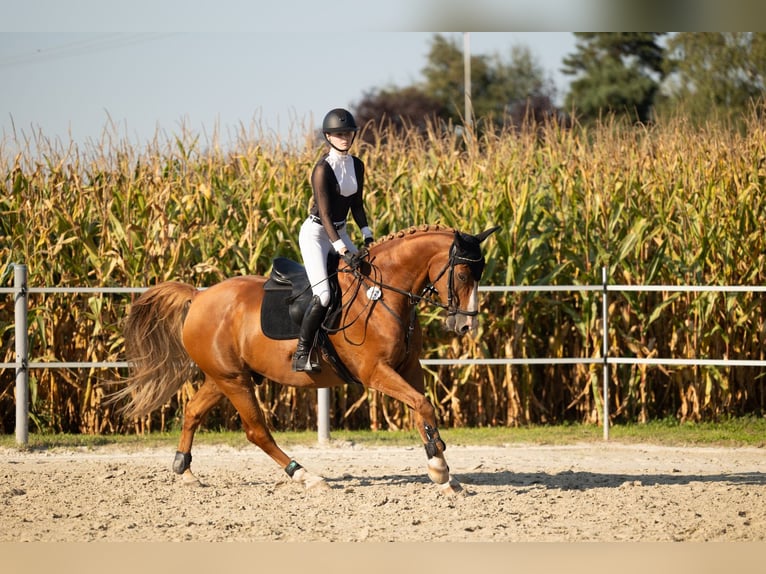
74	85
75	69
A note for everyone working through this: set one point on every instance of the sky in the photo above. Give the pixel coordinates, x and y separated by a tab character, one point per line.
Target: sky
83	70
77	85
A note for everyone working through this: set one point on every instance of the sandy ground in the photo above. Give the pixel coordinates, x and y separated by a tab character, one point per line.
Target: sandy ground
591	492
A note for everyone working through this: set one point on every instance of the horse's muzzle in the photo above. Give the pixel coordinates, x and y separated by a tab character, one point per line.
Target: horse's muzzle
461	324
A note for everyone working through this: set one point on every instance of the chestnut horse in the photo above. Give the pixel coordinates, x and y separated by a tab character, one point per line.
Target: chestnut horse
173	329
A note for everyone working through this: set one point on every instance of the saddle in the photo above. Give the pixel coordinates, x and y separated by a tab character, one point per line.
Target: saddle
287	294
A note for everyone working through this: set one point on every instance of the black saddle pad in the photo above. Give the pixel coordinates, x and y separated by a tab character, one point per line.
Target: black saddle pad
287	294
276	322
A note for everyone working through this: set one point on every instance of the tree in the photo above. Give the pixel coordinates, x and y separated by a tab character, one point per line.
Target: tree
398	109
715	73
497	87
444	75
501	91
617	72
526	94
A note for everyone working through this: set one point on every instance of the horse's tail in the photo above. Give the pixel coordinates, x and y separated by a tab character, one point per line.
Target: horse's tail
158	362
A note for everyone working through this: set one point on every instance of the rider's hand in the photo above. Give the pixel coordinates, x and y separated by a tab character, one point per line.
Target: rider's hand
351	259
368	241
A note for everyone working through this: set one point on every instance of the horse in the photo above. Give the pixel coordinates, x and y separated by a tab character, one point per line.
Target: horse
174	330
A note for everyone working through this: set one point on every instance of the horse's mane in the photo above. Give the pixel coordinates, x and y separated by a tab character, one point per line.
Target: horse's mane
425	228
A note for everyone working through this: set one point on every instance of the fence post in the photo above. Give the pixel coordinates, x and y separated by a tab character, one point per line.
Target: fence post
323	415
22	358
605	350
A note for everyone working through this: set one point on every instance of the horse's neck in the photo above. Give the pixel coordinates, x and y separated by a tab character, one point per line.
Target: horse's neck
406	264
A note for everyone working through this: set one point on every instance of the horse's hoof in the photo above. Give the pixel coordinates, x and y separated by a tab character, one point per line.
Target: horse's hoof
312	482
188	479
452	487
318	484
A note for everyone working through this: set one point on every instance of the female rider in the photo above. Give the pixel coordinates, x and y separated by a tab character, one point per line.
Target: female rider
337	181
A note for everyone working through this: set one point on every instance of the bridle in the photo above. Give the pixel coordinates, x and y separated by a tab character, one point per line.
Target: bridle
464	250
429	293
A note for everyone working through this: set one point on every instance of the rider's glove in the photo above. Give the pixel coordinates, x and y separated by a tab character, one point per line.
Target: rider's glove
353	260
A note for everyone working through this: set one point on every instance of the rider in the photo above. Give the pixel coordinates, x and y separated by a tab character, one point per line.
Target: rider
337	181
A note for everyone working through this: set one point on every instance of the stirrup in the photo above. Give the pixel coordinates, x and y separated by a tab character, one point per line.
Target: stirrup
314	360
303	361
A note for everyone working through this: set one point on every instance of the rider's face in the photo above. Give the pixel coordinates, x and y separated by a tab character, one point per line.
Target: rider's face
342	140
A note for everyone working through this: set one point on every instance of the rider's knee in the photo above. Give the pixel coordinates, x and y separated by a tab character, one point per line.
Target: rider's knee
324	298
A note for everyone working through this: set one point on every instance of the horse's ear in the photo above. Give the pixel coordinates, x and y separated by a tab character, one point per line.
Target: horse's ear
486	233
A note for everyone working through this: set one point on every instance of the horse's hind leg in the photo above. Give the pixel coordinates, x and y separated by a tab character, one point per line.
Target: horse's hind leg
241	394
196	409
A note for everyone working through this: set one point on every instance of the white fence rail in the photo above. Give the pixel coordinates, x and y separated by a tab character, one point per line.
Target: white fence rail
20	291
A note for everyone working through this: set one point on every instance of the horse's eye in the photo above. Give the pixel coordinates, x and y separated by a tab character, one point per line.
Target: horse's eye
462	277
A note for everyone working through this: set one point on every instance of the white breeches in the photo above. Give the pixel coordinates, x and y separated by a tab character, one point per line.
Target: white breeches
315	247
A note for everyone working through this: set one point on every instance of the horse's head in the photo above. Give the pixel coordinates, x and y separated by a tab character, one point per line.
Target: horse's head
457	281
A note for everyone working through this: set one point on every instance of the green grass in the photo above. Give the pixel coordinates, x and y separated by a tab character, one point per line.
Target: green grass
747	431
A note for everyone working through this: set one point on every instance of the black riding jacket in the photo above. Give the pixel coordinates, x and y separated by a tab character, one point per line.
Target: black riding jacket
329	205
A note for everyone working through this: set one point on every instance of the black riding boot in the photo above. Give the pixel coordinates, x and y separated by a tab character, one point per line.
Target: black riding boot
312	320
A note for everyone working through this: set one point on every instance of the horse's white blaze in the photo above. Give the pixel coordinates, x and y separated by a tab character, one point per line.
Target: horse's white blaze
473	306
462	323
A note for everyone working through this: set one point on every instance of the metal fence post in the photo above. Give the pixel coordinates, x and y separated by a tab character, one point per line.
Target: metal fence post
22	358
323	415
605	350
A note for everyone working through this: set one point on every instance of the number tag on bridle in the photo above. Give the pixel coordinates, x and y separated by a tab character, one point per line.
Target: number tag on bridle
374	293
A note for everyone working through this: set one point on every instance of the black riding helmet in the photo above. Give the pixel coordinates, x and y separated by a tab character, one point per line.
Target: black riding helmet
337	121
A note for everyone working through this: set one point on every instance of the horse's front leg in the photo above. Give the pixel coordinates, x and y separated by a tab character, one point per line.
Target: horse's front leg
408	388
438	469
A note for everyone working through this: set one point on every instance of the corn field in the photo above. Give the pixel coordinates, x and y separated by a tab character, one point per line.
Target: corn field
668	204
